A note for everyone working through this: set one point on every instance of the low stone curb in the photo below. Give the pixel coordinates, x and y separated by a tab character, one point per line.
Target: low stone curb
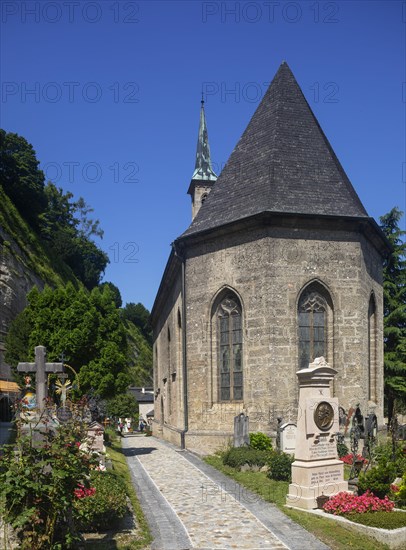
394	538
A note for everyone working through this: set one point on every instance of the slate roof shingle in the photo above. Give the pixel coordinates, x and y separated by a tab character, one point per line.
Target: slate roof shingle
283	163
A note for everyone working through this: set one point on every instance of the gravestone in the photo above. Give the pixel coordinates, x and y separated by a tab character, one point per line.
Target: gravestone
316	469
95	433
402	432
64	414
241	430
288	437
95	442
41	369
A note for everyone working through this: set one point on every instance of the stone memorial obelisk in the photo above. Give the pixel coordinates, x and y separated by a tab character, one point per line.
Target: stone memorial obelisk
316	469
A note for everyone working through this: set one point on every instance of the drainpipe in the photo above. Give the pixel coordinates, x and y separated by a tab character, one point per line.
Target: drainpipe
181	256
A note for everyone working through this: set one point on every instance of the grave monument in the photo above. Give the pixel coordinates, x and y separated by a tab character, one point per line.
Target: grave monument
316	469
288	437
241	430
41	369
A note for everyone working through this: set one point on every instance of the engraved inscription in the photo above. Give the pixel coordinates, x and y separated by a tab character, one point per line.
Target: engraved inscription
323	448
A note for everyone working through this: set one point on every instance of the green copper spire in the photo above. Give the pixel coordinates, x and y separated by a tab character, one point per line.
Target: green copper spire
203	170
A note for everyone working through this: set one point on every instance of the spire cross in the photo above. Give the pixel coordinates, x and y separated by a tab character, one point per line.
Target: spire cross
40	368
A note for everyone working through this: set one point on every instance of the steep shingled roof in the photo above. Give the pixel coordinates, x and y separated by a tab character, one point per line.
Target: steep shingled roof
283	163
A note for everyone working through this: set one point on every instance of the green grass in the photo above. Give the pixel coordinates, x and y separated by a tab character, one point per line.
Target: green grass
383	520
37	256
120	467
336	536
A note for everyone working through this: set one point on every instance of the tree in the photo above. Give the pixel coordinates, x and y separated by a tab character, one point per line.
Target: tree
85	326
87	227
87	261
394	288
116	292
58	215
123	406
139	315
18	338
65	224
139	356
20	176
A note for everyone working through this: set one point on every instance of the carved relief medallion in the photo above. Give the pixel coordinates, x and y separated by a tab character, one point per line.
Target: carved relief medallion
324	416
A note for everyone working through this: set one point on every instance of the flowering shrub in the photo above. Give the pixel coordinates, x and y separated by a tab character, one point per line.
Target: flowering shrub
348	459
83	492
109	506
347	503
38	484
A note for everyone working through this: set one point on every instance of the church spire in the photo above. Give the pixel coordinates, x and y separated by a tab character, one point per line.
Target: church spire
203	168
204	176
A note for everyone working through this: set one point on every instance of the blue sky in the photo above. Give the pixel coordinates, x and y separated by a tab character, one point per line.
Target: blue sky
108	93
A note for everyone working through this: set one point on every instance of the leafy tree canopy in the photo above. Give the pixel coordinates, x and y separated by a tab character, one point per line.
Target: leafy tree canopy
65	224
394	312
53	215
139	315
85	326
116	292
139	356
124	406
20	176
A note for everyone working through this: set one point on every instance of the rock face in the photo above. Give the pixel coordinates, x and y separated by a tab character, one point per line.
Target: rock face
16	280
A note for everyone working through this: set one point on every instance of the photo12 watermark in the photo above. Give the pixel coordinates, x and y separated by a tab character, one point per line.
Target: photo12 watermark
230	491
69	92
268	414
270	12
237	92
327	92
75	172
126	253
253	92
70	12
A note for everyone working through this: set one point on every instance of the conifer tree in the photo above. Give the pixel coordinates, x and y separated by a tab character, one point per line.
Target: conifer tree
394	312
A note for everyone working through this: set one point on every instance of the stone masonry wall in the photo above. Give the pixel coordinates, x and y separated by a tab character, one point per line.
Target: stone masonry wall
268	270
167	355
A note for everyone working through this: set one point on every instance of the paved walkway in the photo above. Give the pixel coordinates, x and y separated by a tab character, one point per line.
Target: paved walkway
189	504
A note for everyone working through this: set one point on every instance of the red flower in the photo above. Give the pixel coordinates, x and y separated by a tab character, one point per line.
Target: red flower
82	492
348	459
347	503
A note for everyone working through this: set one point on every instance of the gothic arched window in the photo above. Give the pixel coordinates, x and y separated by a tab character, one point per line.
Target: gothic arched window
313	311
229	339
372	352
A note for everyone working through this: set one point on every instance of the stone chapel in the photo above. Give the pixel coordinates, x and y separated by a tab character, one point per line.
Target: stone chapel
281	264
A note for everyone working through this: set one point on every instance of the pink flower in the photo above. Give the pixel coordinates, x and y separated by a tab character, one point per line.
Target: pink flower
82	492
348	503
348	459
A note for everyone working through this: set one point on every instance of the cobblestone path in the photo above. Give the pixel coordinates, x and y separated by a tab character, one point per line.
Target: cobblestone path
189	505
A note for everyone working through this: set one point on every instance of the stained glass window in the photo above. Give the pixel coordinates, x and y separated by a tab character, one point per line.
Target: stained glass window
312	328
230	350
